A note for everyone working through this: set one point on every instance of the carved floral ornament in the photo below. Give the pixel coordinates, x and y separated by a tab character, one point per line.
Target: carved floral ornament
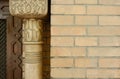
32	11
28	8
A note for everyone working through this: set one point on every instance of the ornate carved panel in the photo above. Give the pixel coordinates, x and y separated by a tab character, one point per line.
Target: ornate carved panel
14	48
28	8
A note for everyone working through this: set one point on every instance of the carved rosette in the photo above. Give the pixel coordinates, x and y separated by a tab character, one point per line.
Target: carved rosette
31	11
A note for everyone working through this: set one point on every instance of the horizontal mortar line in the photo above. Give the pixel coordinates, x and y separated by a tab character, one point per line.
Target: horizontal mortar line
82	25
102	14
97	46
61	14
105	4
69	78
89	4
77	57
117	26
106	57
84	68
100	57
109	67
86	14
85	36
62	46
104	78
61	4
74	24
66	68
65	47
84	78
104	68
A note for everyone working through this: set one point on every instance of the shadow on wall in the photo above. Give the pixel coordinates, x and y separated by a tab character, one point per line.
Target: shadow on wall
46	46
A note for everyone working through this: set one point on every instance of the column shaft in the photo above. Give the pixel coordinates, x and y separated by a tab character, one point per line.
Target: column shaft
32	48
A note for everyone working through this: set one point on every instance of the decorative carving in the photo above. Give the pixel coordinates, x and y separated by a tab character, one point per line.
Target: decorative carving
31	11
28	8
32	30
14	49
32	40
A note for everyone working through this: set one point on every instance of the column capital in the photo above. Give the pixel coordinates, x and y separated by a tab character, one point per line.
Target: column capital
29	8
31	11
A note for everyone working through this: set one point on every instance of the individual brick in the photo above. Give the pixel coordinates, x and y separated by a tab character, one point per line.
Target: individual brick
68	9
62	41
104	31
71	30
68	73
68	51
104	51
109	62
86	41
85	1
109	41
61	62
103	10
62	20
109	20
86	20
103	73
62	1
85	62
111	2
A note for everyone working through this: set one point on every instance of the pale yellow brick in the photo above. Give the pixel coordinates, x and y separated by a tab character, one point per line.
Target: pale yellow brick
71	30
68	9
68	73
62	20
61	55
109	63
104	51
109	20
109	41
103	73
67	51
86	20
86	41
61	62
103	10
62	41
103	31
85	62
112	2
85	1
62	1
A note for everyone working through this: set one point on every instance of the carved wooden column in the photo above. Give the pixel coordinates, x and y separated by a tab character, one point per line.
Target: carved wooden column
31	11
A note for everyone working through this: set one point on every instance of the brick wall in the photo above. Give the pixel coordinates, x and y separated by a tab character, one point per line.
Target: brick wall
85	39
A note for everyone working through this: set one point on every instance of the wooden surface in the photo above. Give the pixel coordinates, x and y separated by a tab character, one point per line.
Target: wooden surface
14	45
4	9
14	48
